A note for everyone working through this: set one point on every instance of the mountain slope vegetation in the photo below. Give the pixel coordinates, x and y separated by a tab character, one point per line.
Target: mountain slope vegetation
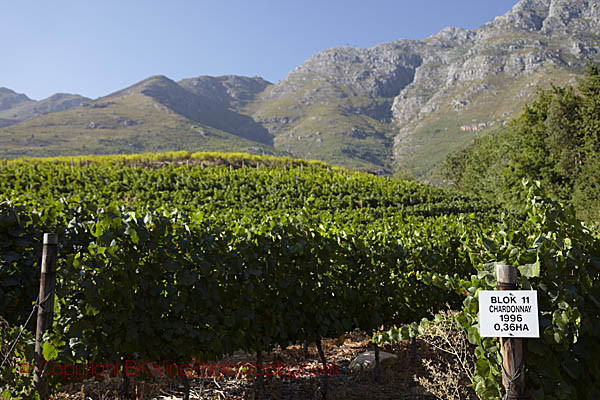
555	140
16	107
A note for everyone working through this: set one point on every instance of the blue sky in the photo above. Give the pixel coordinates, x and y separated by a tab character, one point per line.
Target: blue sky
96	47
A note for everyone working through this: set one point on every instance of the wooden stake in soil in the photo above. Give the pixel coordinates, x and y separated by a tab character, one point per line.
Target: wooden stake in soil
45	312
413	351
186	386
377	370
513	376
325	369
260	382
125	375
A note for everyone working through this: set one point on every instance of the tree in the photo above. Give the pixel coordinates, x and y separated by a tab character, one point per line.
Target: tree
555	140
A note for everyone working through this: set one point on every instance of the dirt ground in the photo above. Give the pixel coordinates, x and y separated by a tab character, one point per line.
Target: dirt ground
302	377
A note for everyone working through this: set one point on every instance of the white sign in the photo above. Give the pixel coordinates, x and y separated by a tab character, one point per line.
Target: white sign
508	313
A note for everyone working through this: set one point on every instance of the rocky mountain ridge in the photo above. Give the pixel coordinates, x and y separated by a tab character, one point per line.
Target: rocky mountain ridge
156	114
451	80
195	105
398	106
17	107
10	98
536	41
230	90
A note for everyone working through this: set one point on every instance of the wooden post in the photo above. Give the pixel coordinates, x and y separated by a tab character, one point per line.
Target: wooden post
259	389
325	374
376	371
413	351
45	312
513	375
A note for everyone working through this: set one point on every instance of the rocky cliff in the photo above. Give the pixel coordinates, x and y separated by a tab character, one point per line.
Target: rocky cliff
230	90
423	93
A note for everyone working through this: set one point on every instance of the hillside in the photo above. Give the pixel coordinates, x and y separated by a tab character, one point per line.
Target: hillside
16	107
555	140
9	99
149	116
397	107
195	106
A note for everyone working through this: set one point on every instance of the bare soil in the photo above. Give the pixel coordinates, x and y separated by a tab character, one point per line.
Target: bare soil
300	381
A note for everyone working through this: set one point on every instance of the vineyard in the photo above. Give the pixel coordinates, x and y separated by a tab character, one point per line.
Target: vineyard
182	257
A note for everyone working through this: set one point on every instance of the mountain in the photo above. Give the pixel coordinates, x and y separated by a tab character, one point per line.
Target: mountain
473	81
337	105
156	114
399	107
10	99
420	100
196	106
22	108
17	107
230	90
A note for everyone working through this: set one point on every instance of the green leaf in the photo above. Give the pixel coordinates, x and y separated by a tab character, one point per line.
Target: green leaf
483	367
530	270
557	337
404	333
49	351
131	231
